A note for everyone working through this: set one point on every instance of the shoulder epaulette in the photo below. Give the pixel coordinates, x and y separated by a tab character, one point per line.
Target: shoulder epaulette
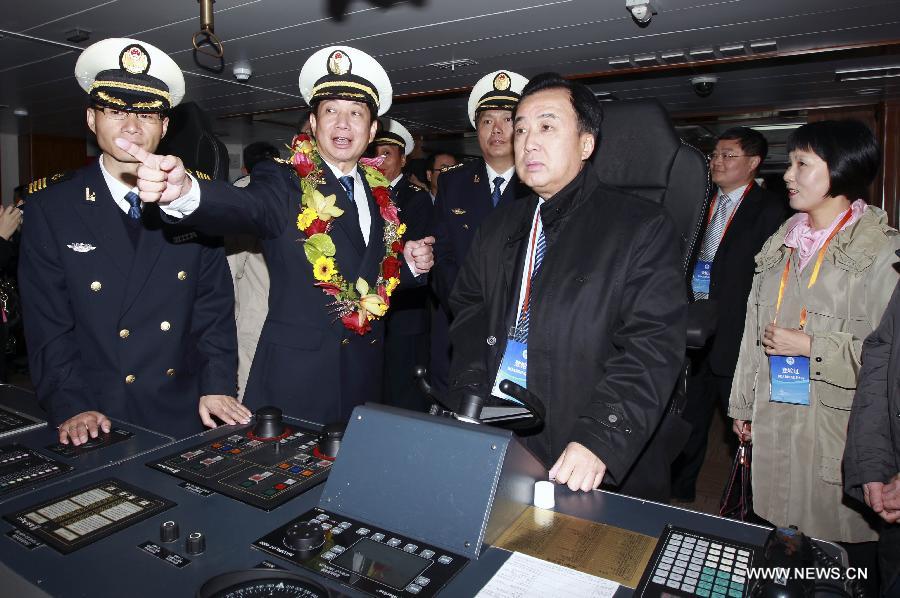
47	181
202	176
454	167
414	187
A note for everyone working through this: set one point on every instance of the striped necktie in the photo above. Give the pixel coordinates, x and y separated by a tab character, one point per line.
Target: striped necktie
347	184
525	317
713	235
134	201
716	227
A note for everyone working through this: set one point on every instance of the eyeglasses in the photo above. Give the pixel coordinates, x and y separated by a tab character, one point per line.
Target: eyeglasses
726	157
145	117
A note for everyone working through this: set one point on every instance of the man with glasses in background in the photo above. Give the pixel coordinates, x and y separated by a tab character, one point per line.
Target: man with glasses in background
124	317
742	215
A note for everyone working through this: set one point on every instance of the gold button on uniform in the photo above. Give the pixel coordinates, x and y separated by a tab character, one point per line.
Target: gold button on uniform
130	378
182	275
165	326
170	372
96	286
124	333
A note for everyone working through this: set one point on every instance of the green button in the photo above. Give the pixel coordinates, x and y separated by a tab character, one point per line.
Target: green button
270	491
717	595
246	483
737	586
735	593
723	575
703	592
704	584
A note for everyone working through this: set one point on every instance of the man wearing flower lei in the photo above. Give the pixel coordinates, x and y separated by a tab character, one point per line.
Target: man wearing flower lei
331	236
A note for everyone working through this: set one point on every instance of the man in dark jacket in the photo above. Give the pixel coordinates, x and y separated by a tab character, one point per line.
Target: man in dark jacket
741	217
321	349
872	453
406	339
582	283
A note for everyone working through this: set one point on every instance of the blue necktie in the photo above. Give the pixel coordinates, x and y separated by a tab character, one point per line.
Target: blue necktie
347	184
135	202
495	196
540	247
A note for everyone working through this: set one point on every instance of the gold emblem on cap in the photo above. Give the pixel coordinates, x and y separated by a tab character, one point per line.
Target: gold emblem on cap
502	82
339	63
134	59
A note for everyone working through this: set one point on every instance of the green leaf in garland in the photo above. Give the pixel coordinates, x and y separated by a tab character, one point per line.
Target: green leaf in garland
323	244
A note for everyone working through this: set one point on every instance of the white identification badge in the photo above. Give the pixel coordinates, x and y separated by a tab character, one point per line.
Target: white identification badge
514	368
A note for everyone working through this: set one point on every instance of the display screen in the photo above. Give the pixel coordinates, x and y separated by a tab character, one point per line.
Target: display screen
381	563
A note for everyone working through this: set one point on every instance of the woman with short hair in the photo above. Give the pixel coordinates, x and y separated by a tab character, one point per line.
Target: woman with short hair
822	282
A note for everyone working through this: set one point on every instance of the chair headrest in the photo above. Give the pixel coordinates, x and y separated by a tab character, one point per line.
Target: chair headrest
637	147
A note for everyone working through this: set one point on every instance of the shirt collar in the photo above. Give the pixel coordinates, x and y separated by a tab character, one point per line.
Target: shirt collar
736	194
338	174
117	188
396	181
493	174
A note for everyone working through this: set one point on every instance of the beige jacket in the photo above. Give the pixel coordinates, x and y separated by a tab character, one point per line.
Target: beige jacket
797	450
250	277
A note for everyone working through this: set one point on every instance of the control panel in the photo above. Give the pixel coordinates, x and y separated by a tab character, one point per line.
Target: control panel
13	421
21	467
264	464
376	561
84	516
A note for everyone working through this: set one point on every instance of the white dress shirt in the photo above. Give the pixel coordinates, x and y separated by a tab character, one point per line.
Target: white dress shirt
493	174
359	197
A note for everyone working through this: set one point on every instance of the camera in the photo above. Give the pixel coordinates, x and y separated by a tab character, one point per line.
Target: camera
641	10
703	86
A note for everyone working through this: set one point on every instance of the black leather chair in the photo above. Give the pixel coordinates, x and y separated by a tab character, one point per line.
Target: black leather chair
641	153
191	138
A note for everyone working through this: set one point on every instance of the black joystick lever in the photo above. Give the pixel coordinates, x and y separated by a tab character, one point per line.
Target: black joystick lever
330	440
304	537
268	423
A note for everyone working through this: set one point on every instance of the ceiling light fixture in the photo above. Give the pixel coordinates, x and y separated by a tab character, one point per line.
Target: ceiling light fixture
452	65
867	73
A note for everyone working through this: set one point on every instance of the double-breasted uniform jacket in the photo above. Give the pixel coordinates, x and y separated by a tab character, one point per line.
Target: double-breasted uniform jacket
607	325
136	329
798	449
462	203
307	363
409	307
757	217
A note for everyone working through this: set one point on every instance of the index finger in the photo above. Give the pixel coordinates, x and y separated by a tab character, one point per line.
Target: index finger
139	153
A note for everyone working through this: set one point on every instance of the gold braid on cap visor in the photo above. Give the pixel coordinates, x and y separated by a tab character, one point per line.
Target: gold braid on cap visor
108	98
131	87
388	140
351	84
487	100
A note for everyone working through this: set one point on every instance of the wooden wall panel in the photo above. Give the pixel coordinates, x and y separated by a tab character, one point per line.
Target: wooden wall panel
50	154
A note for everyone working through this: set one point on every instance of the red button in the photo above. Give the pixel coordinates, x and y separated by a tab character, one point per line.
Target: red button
280	486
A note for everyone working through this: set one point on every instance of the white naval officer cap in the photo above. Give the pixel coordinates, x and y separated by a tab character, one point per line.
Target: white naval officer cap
393	133
499	90
128	74
345	73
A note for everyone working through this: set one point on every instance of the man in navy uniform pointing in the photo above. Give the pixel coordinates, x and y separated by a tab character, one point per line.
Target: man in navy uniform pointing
328	228
124	317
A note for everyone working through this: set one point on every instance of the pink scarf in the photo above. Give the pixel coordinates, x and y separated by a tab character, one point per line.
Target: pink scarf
804	238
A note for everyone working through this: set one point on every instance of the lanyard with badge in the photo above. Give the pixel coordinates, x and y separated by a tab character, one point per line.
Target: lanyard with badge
702	269
789	375
514	366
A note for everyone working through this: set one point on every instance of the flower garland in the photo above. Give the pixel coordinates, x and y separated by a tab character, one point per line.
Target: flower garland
355	304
